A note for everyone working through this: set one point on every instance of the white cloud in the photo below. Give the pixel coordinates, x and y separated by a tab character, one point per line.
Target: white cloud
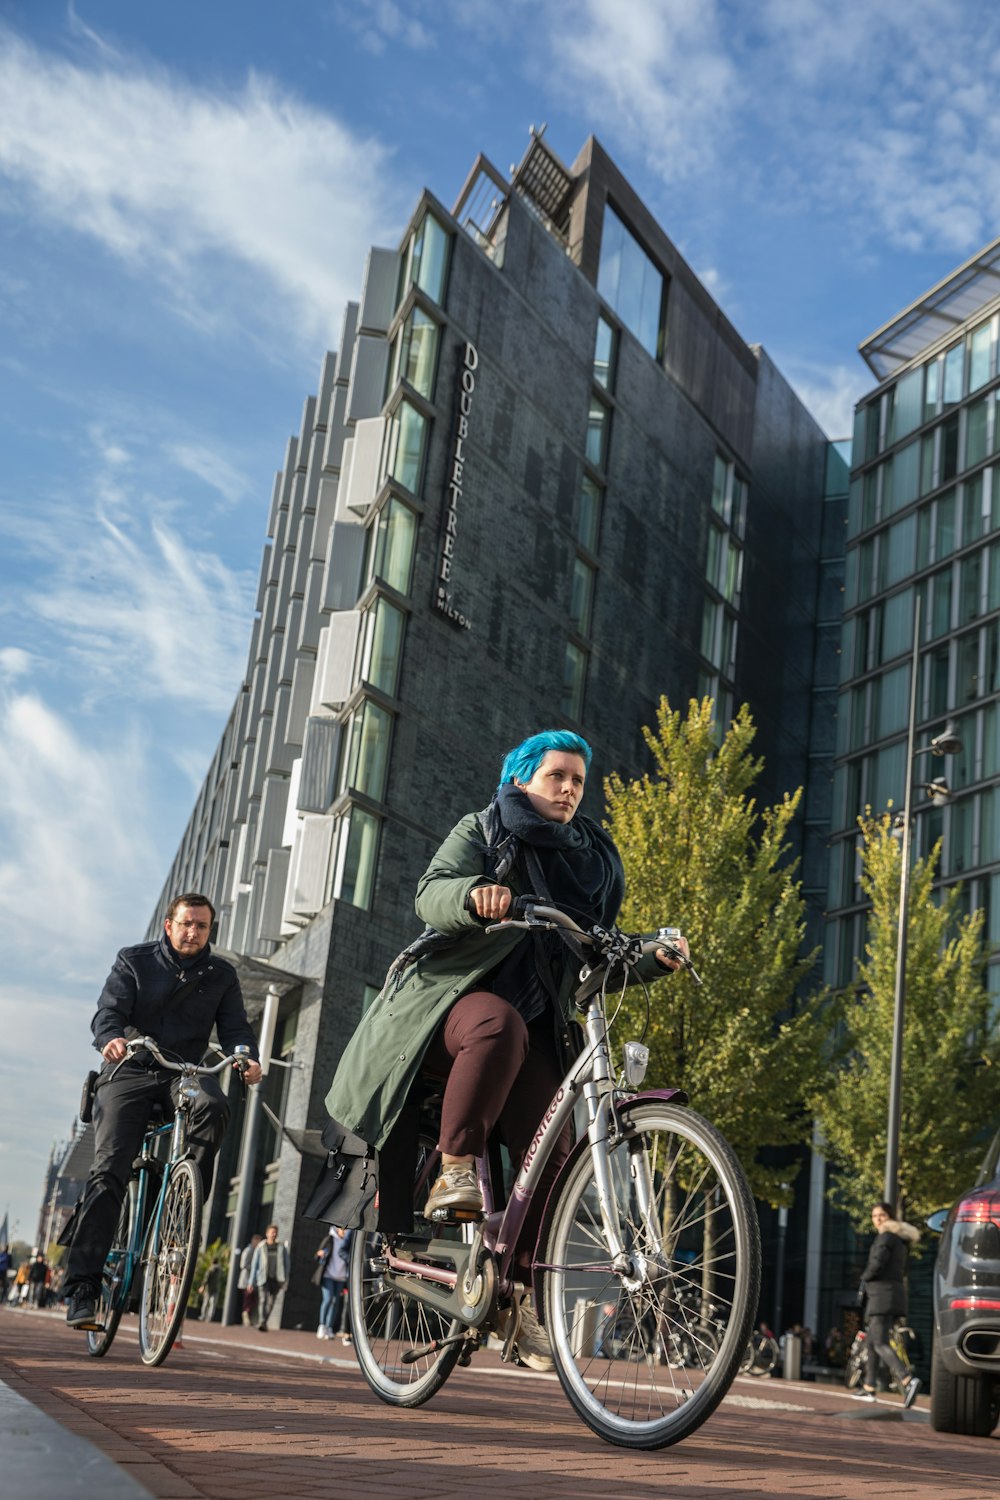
14	663
214	194
659	76
141	606
382	23
876	118
829	392
207	464
75	846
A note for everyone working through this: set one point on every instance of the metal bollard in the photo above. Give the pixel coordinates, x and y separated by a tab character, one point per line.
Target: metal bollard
792	1361
583	1332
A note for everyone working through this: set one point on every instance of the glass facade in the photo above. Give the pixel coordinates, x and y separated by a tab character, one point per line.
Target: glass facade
924	523
390	550
413	357
391	543
631	283
724	578
424	261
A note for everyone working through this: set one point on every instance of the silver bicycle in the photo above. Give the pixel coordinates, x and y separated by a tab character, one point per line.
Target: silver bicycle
650	1221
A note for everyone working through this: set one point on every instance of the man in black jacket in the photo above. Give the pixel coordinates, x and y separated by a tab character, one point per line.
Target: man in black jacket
175	991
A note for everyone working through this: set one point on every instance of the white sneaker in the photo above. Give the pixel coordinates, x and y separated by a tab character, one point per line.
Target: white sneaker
868	1396
531	1342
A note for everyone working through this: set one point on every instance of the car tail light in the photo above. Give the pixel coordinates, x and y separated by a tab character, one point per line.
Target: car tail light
983	1208
976	1304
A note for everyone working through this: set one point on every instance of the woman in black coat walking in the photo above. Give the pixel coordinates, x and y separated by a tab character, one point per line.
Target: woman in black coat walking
883	1283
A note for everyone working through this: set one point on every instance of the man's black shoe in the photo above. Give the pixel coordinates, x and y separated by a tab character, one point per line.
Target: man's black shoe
82	1310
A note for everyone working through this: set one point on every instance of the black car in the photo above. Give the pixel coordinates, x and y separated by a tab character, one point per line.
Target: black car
965	1369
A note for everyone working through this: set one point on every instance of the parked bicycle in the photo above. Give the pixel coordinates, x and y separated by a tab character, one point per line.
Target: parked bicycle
650	1218
761	1354
857	1357
159	1227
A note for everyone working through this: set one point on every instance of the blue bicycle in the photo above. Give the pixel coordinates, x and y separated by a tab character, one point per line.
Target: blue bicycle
160	1223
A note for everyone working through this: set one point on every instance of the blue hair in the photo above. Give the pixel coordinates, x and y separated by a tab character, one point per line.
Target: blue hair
523	761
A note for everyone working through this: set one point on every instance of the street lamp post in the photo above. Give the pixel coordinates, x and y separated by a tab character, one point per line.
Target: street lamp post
946	743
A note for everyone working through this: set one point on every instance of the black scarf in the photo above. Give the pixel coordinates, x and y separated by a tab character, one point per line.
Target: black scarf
574	865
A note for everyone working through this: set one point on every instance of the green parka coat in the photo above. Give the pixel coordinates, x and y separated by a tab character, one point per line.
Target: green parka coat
383	1057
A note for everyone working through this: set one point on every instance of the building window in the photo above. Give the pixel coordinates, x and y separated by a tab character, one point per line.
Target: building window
367	751
954	375
414	353
591	503
630	283
358	856
932	389
729	495
425	260
582	595
976	424
980	355
598	424
382	646
406	435
574	678
391	542
604	355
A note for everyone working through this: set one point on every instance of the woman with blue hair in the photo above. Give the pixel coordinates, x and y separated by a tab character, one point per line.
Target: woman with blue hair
489	1014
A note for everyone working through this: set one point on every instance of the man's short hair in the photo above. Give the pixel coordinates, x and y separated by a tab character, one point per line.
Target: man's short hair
191	898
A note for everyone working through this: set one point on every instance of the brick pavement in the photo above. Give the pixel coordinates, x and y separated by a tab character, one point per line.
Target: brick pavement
236	1414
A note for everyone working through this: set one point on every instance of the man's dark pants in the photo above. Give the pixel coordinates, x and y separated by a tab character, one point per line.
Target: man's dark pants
122	1107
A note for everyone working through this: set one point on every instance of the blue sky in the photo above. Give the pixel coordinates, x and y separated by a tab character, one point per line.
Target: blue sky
187	194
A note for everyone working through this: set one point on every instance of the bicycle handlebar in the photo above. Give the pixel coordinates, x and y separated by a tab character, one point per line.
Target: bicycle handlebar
532	915
239	1058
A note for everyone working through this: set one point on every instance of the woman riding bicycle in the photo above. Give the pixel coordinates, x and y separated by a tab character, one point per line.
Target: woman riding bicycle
487	1015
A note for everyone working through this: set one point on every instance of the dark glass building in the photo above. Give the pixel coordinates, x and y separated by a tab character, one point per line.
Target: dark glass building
543	481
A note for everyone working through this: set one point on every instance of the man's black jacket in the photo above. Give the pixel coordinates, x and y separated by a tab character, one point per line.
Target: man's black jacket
137	999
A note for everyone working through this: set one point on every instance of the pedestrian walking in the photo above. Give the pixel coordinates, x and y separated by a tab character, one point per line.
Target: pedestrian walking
268	1273
330	1276
209	1292
883	1283
248	1303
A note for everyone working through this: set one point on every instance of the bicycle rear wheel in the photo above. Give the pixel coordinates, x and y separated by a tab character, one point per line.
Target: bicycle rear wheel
394	1334
169	1263
116	1280
690	1230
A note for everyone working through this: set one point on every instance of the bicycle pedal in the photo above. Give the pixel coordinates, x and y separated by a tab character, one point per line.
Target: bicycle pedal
455	1216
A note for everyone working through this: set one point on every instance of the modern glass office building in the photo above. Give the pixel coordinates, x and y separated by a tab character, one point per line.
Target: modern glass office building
924	530
543	480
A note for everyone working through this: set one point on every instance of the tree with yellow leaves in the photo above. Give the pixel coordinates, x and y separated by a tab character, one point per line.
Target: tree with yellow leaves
950	1098
698	853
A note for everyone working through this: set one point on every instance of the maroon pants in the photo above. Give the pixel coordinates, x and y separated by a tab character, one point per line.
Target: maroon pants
500	1074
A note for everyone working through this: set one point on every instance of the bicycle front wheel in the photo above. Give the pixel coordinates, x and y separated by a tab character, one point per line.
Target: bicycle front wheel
397	1338
169	1263
116	1280
690	1231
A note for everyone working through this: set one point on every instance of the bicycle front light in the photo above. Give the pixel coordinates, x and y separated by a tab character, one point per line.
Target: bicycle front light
636	1063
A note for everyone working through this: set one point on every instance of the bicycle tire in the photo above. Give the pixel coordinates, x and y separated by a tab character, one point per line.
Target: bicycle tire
168	1269
386	1324
705	1240
116	1280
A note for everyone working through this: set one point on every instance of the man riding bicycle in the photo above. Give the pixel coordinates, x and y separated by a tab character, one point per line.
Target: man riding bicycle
486	1014
176	991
